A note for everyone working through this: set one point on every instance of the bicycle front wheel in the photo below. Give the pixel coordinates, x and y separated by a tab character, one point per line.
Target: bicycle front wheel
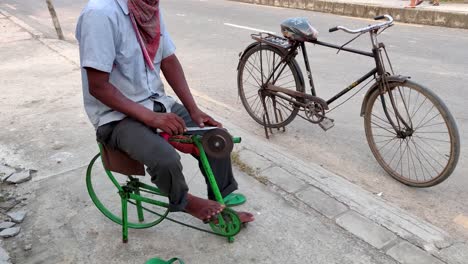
255	68
426	153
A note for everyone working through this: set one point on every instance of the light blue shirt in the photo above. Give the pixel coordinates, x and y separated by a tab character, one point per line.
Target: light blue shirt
108	43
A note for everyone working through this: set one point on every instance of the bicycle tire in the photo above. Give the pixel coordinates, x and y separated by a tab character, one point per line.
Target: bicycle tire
294	70
418	157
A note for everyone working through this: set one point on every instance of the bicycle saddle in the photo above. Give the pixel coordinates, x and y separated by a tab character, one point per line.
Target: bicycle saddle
298	28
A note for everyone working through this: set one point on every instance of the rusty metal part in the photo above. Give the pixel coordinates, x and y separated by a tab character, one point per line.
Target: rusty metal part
314	112
276	89
217	143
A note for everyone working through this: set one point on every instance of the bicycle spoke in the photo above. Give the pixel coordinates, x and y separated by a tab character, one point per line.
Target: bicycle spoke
425	116
401	157
421	163
412	161
433	139
424	153
438	114
255	79
257	104
386	140
286	75
432	147
395	143
382	127
389	131
404	104
257	69
413	157
434	132
425	99
441	123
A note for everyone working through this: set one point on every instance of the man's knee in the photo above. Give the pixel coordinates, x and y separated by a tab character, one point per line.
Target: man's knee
169	162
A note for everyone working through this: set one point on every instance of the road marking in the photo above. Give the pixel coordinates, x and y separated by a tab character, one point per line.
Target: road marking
35	18
462	220
248	28
10	6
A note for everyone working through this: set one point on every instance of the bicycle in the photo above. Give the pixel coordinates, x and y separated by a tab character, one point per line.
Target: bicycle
410	131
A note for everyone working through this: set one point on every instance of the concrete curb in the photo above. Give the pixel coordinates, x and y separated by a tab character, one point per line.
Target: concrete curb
405	15
386	227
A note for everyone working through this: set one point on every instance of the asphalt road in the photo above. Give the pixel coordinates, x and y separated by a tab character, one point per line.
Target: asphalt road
209	35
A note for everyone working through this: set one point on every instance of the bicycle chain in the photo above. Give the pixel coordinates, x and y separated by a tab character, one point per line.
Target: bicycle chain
229	224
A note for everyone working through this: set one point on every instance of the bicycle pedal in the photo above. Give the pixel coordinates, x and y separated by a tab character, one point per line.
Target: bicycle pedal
327	123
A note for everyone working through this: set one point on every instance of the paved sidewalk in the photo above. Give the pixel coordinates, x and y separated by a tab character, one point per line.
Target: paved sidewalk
446	15
304	213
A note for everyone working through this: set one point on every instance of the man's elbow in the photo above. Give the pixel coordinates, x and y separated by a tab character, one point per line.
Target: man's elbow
97	82
94	91
99	90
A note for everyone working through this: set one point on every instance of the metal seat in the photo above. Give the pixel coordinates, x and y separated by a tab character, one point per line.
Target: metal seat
299	29
117	161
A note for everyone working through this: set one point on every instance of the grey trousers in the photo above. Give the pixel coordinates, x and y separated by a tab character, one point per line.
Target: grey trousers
163	164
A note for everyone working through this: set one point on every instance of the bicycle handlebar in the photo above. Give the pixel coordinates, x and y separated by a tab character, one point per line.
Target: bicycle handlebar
365	29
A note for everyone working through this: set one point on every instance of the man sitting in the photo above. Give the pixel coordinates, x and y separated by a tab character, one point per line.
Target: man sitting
124	45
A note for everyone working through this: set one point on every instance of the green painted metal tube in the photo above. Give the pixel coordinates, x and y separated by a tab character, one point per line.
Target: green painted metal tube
139	207
148	200
151	188
109	173
209	172
124	220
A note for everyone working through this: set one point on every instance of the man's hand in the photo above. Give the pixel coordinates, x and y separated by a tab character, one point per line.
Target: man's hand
167	122
202	119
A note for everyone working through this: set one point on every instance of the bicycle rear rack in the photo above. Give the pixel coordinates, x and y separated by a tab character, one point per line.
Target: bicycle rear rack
273	40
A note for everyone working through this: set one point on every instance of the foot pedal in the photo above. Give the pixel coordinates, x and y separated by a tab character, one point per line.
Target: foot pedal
327	123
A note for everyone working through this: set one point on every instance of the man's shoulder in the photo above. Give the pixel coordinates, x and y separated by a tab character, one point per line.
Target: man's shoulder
108	8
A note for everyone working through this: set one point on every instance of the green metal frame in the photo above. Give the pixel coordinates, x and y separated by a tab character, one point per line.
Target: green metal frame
228	223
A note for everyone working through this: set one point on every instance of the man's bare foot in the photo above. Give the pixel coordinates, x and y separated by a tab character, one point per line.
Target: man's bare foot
201	208
246	217
243	216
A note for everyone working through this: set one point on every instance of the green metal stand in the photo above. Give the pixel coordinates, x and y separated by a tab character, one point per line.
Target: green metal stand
227	223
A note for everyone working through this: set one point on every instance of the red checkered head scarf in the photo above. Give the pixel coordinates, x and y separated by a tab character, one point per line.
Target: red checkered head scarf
145	19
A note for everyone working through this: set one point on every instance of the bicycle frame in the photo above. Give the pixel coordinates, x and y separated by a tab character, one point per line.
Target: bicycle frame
378	71
293	52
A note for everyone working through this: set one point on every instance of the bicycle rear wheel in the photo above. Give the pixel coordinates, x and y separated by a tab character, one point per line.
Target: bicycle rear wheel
422	156
255	67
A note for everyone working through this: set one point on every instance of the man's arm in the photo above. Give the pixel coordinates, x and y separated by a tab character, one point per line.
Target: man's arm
174	74
108	94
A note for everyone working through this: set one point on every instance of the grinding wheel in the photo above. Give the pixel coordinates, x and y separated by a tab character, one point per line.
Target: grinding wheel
217	143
